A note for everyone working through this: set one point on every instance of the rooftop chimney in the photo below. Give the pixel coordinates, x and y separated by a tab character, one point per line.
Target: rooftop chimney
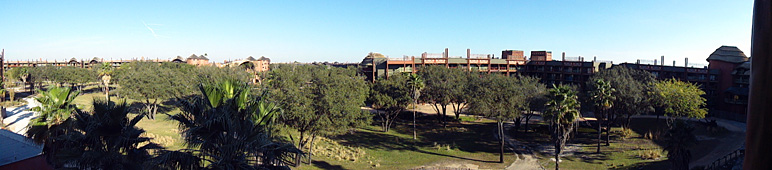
663	61
638	61
564	56
686	62
673	63
468	53
655	61
446	53
594	58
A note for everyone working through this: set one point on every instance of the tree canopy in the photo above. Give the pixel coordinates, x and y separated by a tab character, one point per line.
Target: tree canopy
679	99
390	96
319	100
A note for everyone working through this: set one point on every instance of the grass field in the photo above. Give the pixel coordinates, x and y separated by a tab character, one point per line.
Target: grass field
469	144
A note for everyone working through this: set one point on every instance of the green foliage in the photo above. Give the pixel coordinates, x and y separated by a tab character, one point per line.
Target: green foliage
441	88
150	82
210	74
563	106
106	138
601	95
390	96
497	97
55	109
228	129
631	91
679	99
562	112
319	100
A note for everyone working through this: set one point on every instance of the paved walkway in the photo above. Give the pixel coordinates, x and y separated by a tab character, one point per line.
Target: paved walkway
729	144
19	117
525	158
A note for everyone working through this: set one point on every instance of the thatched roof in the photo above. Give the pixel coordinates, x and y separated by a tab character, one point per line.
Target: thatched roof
730	54
250	58
264	58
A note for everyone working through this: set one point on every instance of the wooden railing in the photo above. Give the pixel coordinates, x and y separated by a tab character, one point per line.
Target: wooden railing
727	160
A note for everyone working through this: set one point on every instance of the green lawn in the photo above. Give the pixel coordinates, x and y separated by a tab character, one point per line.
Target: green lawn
470	143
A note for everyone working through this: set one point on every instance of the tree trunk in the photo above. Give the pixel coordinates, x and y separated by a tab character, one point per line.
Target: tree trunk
501	140
558	147
444	115
597	115
311	148
299	157
608	130
527	119
414	133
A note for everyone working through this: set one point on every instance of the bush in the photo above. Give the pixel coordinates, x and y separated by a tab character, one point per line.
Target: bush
625	133
650	154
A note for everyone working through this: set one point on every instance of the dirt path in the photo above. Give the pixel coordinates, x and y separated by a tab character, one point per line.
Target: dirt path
525	158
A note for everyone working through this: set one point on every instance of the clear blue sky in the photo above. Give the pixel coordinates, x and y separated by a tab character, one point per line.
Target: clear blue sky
346	31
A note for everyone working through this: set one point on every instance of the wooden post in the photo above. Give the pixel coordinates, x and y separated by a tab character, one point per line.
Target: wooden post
759	127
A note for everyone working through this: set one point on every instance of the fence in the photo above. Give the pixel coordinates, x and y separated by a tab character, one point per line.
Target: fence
727	160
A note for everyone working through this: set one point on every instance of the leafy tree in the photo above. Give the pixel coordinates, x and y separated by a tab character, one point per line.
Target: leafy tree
460	89
106	74
679	99
500	98
390	97
562	113
601	95
150	82
106	138
535	100
631	96
318	100
439	89
20	74
210	74
54	119
227	128
416	84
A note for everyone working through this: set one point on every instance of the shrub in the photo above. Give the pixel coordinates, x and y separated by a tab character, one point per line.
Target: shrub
626	133
650	154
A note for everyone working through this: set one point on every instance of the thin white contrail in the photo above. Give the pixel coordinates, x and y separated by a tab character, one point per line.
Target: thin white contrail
151	29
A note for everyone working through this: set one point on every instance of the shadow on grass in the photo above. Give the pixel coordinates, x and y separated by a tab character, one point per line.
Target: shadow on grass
457	157
663	164
325	165
471	137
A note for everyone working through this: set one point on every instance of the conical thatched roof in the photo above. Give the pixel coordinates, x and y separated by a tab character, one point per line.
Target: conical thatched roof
250	58
730	54
193	56
264	58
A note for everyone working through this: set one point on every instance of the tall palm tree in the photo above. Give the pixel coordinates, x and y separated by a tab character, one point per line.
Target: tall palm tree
54	118
106	138
562	113
106	72
601	94
228	129
416	84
